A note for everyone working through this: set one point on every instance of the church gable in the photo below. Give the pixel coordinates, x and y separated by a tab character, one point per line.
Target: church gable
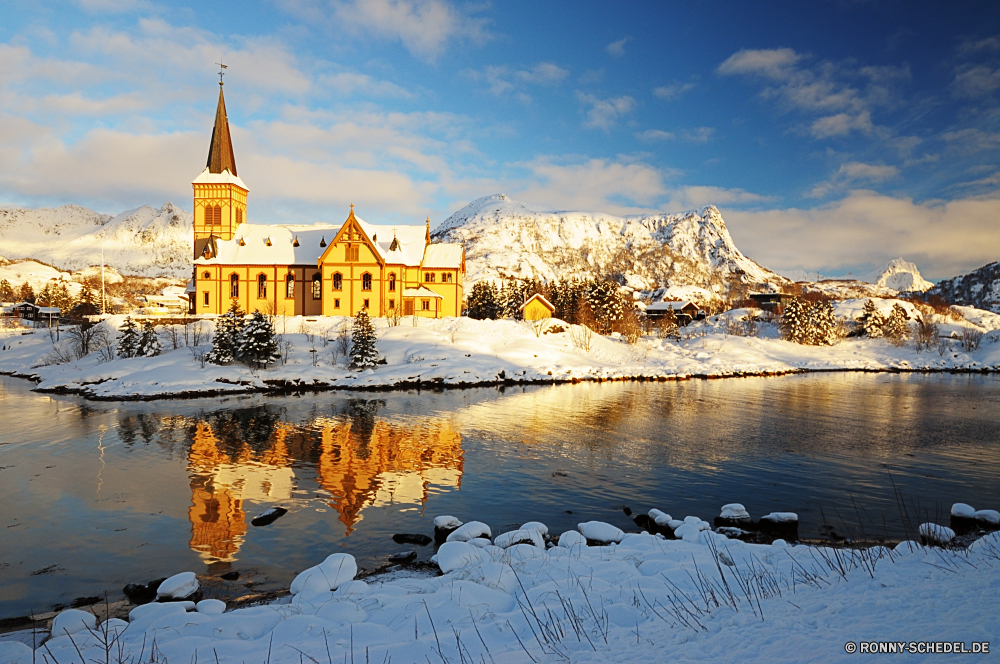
346	245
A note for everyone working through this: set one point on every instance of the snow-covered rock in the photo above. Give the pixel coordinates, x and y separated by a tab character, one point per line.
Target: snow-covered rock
572	538
735	511
990	517
690	528
781	517
480	542
505	238
536	525
979	288
469	531
520	536
178	586
72	621
932	532
598	531
337	569
455	555
963	511
211	607
660	518
901	275
156	608
446	522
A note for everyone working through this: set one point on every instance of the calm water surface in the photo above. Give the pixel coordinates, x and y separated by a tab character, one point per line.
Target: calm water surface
97	495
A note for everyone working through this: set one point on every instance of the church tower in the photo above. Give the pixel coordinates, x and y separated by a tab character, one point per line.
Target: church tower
220	197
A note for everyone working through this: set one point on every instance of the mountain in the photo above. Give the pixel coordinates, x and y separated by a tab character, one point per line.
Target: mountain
504	238
146	241
979	288
900	275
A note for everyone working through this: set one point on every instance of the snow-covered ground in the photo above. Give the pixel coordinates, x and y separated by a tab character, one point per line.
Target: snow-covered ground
702	598
462	351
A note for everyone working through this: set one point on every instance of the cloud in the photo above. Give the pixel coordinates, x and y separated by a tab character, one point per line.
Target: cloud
605	113
599	185
651	135
348	83
843	94
851	173
972	139
865	229
971	46
113	6
975	81
616	49
502	80
672	91
697	135
424	27
692	196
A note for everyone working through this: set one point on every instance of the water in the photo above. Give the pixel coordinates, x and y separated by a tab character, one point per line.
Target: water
97	495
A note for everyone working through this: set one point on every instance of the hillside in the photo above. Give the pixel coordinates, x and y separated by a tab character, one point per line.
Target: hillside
979	288
504	238
146	241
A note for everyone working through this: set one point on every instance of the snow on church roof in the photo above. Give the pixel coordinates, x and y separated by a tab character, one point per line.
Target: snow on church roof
442	255
225	177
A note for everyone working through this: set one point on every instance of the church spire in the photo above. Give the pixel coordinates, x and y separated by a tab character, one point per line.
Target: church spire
220	151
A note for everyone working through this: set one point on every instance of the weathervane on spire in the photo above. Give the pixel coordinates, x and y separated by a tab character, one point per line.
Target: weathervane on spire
222	70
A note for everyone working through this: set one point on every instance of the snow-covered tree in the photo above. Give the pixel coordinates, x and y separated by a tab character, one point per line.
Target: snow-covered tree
821	324
258	342
895	329
364	354
483	301
606	303
128	338
872	321
226	342
26	293
666	325
149	343
794	323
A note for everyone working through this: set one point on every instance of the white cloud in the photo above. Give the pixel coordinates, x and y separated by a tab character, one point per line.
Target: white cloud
974	81
599	185
605	113
697	135
972	139
113	6
348	83
655	135
502	79
841	124
693	196
616	49
672	91
851	173
943	238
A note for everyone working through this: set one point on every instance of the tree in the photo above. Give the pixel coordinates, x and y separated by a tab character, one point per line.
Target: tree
794	323
895	328
872	321
483	301
149	343
606	303
821	324
128	338
666	325
364	354
44	299
226	343
26	293
258	342
6	291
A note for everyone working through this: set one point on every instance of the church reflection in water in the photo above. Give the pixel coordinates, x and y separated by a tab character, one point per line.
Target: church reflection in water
355	459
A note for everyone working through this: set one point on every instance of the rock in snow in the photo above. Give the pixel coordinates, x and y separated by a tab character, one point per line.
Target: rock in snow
178	586
211	607
963	511
990	517
446	522
455	555
660	518
469	531
536	525
72	621
520	536
734	511
337	569
934	533
572	538
781	517
598	531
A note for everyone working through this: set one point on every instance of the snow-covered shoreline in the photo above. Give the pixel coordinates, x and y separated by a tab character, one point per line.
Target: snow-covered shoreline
464	353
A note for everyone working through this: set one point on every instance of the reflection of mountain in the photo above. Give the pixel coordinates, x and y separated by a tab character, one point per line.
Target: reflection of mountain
248	454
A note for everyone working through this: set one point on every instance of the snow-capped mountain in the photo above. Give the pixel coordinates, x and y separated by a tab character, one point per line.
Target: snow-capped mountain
900	275
145	241
979	288
504	238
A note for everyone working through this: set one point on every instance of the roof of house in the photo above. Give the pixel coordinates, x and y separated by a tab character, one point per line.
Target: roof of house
442	255
672	304
423	291
541	299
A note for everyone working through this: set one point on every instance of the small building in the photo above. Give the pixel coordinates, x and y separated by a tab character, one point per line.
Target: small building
27	311
537	308
422	301
772	302
685	310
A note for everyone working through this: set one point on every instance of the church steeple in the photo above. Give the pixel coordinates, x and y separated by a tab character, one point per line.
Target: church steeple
220	150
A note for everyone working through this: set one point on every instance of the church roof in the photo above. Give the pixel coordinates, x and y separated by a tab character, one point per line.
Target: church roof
220	150
442	255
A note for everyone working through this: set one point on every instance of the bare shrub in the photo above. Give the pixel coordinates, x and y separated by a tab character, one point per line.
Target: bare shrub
284	348
199	354
925	332
173	335
630	326
971	338
394	317
582	337
343	341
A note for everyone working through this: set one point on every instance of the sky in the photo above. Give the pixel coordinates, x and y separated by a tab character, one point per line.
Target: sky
832	135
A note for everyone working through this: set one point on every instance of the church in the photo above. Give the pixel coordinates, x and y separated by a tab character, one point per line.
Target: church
310	270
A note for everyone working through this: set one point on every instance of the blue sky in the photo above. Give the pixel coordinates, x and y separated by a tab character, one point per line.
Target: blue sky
832	135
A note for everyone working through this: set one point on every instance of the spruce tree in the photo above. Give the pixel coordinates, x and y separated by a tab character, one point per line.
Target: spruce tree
128	339
258	342
26	293
149	343
226	342
823	324
895	328
794	323
606	302
482	301
6	291
364	354
872	321
666	326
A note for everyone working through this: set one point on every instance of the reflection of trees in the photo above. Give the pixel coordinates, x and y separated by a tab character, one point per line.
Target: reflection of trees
245	427
140	425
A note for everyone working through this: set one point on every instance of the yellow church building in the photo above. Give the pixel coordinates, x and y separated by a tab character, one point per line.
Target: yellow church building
310	270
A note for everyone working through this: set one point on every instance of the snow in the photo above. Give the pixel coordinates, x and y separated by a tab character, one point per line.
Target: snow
935	533
225	177
520	536
73	621
644	599
964	511
572	538
781	517
178	586
336	570
469	531
598	531
211	607
446	522
734	511
991	517
536	525
660	518
901	275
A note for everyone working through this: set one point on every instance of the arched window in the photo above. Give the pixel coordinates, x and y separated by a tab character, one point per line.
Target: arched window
234	285
317	286
366	281
262	286
338	281
392	281
290	286
206	275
